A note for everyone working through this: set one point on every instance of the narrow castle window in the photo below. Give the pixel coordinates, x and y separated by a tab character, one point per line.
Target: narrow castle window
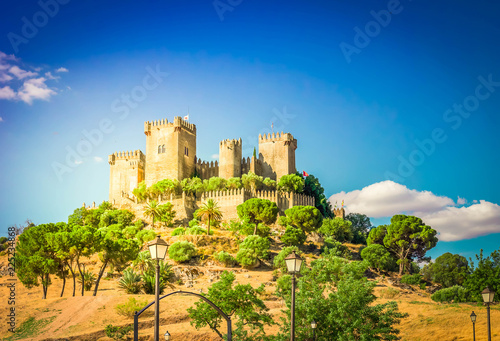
186	151
159	149
163	148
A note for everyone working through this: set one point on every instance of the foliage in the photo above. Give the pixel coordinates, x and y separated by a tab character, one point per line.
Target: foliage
415	279
130	282
337	228
118	333
293	236
179	231
246	228
234	183
455	293
153	210
163	188
448	270
141	192
258	211
251	181
192	186
361	225
130	307
291	183
209	211
407	237
215	184
225	258
335	294
196	231
181	251
89	280
307	218
389	293
378	257
167	214
486	274
279	260
337	248
149	283
313	188
241	302
252	249
269	184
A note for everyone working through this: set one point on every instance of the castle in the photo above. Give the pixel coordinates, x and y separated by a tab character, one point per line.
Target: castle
171	154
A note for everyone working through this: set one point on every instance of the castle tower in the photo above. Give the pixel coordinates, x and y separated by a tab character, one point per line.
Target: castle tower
277	154
339	213
230	154
170	150
126	171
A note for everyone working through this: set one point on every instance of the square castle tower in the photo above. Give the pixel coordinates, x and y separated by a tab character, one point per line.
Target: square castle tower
171	154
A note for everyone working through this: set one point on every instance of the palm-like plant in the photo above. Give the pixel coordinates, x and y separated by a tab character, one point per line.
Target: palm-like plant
130	282
153	210
210	211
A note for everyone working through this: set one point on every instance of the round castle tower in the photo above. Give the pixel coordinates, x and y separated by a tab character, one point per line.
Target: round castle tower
230	154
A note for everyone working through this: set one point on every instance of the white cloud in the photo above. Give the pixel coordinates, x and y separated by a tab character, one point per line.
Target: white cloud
98	159
62	69
387	198
78	162
35	88
4	77
1	119
215	156
20	73
4	56
50	76
7	93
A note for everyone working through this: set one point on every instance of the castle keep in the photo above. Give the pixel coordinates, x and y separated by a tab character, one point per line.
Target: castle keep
171	154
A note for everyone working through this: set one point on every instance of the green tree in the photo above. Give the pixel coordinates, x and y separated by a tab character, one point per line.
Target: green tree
241	302
252	249
448	270
293	236
141	192
153	210
215	184
407	237
378	257
269	184
163	188
335	294
167	214
192	186
209	211
234	183
485	274
361	225
251	181
307	218
291	183
313	188
337	228
377	235
83	245
258	211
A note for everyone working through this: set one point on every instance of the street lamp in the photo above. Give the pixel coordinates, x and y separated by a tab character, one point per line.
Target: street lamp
293	263
488	295
313	326
473	319
158	249
167	336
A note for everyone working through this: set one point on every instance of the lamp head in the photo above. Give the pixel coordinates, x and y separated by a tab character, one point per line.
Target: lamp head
293	263
473	317
158	248
488	295
167	336
313	324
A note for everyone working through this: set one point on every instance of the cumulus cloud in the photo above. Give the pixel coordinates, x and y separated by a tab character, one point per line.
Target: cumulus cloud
98	159
78	162
35	88
215	156
62	69
20	73
387	198
4	77
49	75
1	119
7	93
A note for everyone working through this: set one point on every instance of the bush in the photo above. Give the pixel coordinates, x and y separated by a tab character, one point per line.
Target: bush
252	249
3	240
118	333
246	228
225	258
89	278
149	282
247	257
415	279
196	231
179	231
337	248
455	293
279	260
130	307
130	282
378	257
337	228
181	251
293	236
389	293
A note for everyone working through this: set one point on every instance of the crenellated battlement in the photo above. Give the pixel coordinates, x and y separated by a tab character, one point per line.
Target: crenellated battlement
339	213
276	137
207	169
231	142
127	155
178	122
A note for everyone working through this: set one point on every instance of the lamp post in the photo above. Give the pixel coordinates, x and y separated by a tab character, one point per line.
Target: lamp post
313	326
158	249
293	263
167	336
473	319
488	295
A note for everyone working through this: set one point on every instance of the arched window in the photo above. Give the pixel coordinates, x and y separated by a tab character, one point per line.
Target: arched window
163	149
159	149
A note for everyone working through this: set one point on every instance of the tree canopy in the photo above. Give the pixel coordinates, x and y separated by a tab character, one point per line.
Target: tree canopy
258	211
447	270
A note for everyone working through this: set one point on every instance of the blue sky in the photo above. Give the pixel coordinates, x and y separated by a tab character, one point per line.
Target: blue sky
394	104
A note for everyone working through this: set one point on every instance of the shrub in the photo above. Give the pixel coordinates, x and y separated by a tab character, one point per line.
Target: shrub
196	231
194	222
279	260
130	307
247	257
337	228
455	293
293	236
337	248
246	228
130	282
225	258
259	244
389	293
118	333
179	231
3	240
149	282
89	278
414	279
181	251
378	257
